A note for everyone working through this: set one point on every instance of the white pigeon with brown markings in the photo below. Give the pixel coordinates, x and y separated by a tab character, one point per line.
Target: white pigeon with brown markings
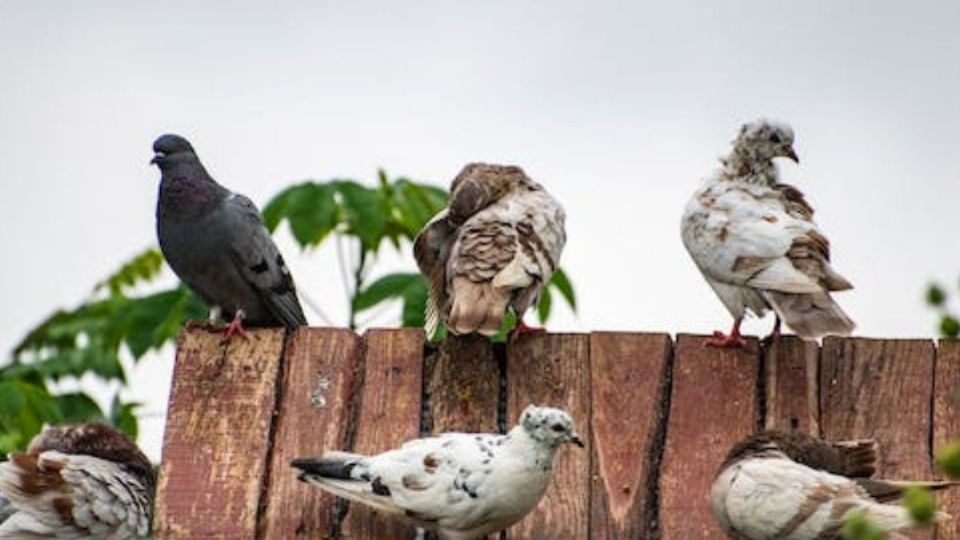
462	485
492	249
754	240
83	481
792	486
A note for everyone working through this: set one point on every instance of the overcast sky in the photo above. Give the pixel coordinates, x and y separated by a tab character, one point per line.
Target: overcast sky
618	108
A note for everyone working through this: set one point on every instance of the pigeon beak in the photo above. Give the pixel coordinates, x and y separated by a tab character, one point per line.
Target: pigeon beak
156	158
575	439
790	153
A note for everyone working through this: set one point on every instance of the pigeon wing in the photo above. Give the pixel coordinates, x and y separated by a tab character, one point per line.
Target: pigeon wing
70	495
260	262
431	250
760	240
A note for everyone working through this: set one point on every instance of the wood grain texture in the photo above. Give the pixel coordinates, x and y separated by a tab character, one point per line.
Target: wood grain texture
629	381
216	439
713	405
791	368
554	370
946	425
389	415
881	389
320	377
463	385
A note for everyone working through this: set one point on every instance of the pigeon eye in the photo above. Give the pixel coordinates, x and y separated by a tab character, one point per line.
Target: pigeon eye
557	428
775	138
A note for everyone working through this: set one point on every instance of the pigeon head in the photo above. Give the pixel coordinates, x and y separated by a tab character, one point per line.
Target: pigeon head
765	140
550	426
97	440
169	149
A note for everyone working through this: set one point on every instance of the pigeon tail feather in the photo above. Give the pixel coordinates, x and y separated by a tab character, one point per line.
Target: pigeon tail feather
477	307
812	316
337	465
890	490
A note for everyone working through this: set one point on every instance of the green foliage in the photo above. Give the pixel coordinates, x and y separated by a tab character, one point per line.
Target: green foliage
938	298
858	527
948	460
921	504
90	338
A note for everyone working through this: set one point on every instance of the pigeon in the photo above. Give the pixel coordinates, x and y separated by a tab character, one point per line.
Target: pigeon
754	240
461	485
792	486
216	242
493	248
78	481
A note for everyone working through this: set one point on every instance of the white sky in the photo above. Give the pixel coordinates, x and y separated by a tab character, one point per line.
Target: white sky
619	108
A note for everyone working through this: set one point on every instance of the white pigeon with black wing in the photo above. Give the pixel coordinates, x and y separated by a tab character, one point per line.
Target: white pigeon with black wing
755	241
84	481
791	486
462	485
492	249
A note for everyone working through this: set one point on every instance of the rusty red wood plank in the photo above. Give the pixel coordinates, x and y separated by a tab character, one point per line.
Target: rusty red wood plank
881	389
463	385
946	425
791	367
713	405
320	378
554	370
389	415
629	380
216	439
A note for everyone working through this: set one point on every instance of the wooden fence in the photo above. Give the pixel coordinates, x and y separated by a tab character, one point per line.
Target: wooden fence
658	416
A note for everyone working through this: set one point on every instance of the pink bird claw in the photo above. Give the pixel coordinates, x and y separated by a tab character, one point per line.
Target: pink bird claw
723	341
523	330
235	328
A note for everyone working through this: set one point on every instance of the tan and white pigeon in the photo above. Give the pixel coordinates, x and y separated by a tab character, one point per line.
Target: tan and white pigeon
82	481
792	486
493	248
462	485
755	241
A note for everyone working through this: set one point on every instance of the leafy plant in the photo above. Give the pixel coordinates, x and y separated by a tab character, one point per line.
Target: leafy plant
113	321
949	322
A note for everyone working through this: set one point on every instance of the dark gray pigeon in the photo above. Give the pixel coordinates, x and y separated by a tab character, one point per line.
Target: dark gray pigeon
216	242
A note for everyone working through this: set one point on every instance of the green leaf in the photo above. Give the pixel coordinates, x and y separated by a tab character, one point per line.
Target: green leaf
123	417
857	527
143	268
936	296
948	460
389	286
921	504
415	304
365	210
79	407
310	208
949	327
546	303
415	204
561	282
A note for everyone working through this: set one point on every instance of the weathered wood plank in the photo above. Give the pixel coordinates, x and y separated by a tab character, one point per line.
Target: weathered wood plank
629	380
791	367
713	405
946	425
216	439
554	370
389	415
463	385
320	378
881	389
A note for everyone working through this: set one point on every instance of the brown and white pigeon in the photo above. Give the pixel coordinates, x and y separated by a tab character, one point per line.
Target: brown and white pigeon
755	241
792	486
81	481
216	242
462	485
492	249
